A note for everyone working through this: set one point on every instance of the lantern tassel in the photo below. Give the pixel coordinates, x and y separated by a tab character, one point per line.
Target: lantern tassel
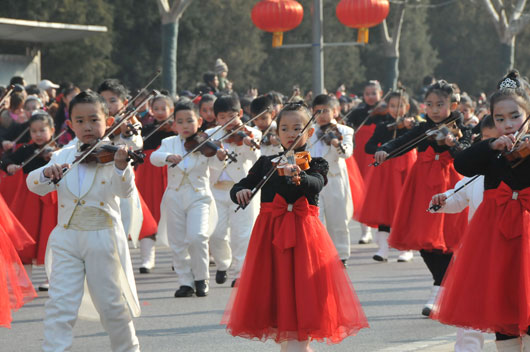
362	35
277	39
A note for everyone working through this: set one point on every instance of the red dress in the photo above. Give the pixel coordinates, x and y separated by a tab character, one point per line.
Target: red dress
38	214
415	228
383	189
16	288
362	158
357	186
9	185
151	182
293	285
487	286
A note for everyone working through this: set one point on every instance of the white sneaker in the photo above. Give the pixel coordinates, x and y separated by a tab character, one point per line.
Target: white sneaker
405	256
427	309
381	238
45	286
147	250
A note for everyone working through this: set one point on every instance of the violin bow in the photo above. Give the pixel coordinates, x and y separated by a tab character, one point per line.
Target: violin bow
38	152
157	128
436	207
370	112
142	91
417	140
7	94
228	134
269	174
399	107
110	131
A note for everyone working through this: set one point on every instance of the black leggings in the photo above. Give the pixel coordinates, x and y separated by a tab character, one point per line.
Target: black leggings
437	263
384	228
502	337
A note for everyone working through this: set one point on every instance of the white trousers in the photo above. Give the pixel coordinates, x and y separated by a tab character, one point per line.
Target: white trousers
230	247
187	230
334	214
90	254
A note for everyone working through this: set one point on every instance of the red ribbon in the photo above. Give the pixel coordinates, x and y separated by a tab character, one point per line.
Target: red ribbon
437	161
512	206
284	217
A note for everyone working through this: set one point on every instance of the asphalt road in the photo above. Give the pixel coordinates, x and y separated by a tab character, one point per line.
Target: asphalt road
392	295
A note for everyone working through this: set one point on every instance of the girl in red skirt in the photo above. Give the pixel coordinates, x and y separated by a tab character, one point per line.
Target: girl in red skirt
293	286
488	284
363	120
436	236
15	286
385	182
37	213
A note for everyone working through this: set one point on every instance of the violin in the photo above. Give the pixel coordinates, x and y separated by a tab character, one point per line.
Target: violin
208	148
301	159
519	153
450	129
105	154
237	138
399	124
330	132
266	139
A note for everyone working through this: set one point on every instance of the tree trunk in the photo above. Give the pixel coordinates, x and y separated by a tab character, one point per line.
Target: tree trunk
507	51
391	72
169	56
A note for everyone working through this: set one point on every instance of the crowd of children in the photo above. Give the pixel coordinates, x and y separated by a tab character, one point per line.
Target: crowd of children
266	192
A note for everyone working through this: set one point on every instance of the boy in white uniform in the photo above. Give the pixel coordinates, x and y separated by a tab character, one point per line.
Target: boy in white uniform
335	203
88	246
270	143
229	248
188	206
467	340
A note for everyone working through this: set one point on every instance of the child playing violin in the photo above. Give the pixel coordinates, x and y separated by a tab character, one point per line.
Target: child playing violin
436	236
206	111
334	143
385	183
151	180
468	192
363	119
37	214
493	258
229	248
188	207
293	287
88	246
270	144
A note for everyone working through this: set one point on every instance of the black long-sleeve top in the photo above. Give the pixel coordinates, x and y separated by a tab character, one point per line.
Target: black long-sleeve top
480	159
14	131
382	135
357	116
155	140
20	155
311	182
420	129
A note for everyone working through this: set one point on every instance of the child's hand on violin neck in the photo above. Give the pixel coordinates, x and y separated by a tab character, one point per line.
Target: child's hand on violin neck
120	158
12	169
221	154
503	143
380	156
438	199
290	169
174	159
450	140
335	142
55	172
243	196
248	141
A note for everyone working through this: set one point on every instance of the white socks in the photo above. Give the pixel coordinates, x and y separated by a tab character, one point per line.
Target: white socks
366	236
430	303
295	346
381	237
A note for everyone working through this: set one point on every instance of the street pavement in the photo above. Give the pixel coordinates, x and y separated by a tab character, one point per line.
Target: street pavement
392	295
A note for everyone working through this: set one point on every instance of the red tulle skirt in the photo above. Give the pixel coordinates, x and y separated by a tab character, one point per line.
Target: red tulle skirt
149	224
415	228
487	286
293	285
38	214
9	185
356	186
151	182
361	157
383	189
16	288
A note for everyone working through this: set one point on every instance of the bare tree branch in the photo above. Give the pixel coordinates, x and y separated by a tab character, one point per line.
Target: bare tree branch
396	31
519	8
384	33
163	6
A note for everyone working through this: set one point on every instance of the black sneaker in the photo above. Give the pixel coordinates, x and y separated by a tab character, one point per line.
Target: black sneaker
221	277
144	270
201	288
344	263
234	283
378	258
184	291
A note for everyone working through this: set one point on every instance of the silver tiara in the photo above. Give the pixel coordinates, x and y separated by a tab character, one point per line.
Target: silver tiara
508	83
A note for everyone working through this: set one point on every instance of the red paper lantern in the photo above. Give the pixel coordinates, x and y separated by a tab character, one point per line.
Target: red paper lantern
362	14
277	16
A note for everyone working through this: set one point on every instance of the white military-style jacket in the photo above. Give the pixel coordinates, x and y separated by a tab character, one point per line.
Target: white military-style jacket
334	157
471	196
